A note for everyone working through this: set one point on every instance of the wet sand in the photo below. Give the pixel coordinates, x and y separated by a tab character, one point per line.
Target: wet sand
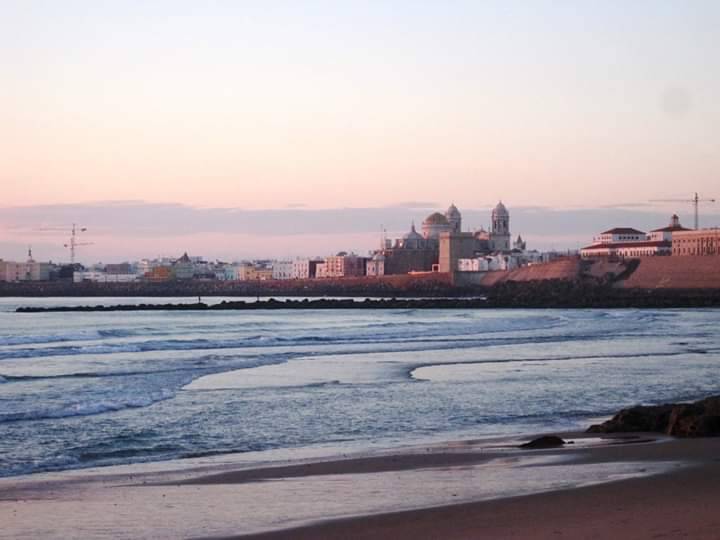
682	503
666	489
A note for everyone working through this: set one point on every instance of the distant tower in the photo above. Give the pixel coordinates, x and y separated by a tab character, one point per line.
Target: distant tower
500	231
454	218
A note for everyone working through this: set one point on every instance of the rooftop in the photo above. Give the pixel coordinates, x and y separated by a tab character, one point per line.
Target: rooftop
622	230
619	245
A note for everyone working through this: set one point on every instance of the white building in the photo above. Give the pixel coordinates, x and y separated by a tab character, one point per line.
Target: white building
96	276
283	270
29	270
376	265
629	242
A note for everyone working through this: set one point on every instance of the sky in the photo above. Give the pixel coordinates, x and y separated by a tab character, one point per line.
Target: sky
126	117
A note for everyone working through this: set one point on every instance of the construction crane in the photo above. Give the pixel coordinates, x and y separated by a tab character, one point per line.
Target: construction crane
696	200
73	243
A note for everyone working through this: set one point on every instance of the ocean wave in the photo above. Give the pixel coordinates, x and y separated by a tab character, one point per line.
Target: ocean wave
438	339
84	335
89	408
411	370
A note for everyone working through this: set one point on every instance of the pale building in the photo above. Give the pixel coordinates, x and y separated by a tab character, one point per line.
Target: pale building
342	265
666	233
376	265
96	276
29	270
703	242
620	235
253	272
121	268
301	269
630	242
321	270
183	268
282	270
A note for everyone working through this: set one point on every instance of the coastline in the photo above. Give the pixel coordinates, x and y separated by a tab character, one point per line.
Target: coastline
464	489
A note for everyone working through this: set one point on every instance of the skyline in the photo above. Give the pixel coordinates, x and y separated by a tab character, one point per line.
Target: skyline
131	230
324	106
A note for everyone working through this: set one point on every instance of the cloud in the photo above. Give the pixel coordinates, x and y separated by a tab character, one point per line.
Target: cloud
123	230
416	205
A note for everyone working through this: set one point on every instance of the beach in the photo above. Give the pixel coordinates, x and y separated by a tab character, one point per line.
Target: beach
638	486
350	423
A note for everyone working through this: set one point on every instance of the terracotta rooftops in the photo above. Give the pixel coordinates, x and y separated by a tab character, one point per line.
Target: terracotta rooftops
672	228
622	230
620	245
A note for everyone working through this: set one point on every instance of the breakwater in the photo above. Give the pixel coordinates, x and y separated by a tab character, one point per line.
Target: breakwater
538	295
320	303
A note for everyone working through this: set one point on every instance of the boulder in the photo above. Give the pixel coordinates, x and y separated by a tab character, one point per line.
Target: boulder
699	419
639	418
546	441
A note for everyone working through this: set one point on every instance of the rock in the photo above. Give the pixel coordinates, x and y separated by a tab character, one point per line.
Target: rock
639	418
546	441
699	419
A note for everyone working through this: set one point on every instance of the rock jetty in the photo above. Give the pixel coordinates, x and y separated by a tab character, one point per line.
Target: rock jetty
321	303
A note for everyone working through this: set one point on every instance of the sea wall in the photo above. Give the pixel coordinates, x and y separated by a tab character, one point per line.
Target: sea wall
402	285
674	273
567	269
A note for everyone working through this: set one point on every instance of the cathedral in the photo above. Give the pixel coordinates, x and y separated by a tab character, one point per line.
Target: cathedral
441	241
498	239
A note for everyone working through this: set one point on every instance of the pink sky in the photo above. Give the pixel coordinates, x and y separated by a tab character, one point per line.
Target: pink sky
327	106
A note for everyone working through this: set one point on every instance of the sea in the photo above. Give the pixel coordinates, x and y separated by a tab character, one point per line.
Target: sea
80	390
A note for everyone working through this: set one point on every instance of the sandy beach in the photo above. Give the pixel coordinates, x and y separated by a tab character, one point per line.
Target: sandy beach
637	487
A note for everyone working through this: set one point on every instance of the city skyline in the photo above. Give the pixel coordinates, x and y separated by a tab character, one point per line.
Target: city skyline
132	230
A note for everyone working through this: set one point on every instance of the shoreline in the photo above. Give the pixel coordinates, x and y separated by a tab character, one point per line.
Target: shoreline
447	490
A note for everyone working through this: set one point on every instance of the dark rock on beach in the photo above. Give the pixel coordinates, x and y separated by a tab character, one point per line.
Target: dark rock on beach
699	419
546	441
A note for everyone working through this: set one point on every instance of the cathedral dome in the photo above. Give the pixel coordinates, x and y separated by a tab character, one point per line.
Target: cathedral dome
435	218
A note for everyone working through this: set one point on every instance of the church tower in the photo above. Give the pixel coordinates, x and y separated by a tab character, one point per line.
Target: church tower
500	231
454	218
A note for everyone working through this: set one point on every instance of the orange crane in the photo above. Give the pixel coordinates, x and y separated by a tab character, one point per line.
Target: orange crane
696	200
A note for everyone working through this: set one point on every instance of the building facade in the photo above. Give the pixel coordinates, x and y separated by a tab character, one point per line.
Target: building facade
342	265
703	242
282	270
624	242
305	268
29	270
